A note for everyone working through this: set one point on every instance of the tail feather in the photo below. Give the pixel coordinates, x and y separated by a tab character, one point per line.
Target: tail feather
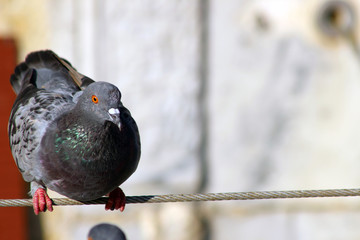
43	59
17	78
52	72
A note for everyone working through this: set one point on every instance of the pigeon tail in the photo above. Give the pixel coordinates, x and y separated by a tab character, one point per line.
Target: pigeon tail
49	71
20	76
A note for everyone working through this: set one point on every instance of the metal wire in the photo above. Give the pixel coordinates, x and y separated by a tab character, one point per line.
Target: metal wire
198	197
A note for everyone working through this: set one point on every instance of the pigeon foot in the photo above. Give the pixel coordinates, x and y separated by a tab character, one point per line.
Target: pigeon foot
41	201
116	200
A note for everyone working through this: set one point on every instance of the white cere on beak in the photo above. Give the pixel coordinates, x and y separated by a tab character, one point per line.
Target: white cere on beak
114	111
115	116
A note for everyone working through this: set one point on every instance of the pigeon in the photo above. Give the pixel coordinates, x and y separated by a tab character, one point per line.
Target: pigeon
106	231
70	133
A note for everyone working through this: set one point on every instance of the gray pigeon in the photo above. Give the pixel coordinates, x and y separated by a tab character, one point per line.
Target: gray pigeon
106	231
69	133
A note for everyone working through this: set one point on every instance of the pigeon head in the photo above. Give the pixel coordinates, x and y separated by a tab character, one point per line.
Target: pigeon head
105	231
103	99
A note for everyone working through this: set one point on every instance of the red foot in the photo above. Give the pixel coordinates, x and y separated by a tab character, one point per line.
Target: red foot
116	200
41	201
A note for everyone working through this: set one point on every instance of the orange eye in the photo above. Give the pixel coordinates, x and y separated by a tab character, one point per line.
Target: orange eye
94	99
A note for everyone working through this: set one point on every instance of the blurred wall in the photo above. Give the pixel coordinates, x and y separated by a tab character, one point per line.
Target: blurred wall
229	96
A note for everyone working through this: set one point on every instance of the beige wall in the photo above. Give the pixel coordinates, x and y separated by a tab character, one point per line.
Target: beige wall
28	22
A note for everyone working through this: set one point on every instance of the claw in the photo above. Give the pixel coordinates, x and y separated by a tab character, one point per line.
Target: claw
117	200
41	201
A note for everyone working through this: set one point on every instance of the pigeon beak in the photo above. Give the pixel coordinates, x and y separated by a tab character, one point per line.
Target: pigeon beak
114	111
115	116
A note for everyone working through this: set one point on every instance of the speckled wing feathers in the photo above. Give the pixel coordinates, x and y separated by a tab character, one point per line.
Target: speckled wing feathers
29	120
38	103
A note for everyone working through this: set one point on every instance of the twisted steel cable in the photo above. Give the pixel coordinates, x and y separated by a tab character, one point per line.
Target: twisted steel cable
198	197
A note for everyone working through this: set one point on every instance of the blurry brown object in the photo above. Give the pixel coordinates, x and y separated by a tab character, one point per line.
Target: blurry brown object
13	220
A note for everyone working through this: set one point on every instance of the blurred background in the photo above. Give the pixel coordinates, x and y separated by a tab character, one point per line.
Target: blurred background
229	95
